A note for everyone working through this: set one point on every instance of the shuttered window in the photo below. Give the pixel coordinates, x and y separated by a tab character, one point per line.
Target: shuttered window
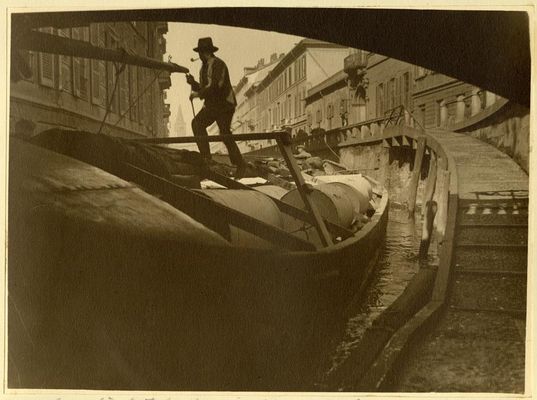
406	89
94	40
111	96
123	90
47	65
80	65
66	66
141	100
133	83
391	94
98	68
29	57
102	69
380	100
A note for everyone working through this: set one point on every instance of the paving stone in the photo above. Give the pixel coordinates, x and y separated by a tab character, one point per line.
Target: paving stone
493	235
489	292
468	364
492	258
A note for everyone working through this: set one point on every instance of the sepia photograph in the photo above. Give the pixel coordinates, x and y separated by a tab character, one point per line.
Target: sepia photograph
261	199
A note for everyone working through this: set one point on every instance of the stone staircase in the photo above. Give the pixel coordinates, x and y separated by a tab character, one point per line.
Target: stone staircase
478	342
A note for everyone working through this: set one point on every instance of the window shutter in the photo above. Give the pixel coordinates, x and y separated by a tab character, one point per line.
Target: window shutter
122	87
76	35
133	92
66	66
83	75
46	65
398	101
95	72
102	69
141	102
111	43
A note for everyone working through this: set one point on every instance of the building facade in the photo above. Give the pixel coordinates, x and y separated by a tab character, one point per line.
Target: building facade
282	93
78	93
370	86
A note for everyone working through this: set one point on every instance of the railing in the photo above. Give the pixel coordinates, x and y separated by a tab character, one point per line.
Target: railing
360	132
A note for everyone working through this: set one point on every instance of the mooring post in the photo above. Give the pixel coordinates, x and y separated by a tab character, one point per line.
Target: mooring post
443	199
414	180
429	208
430	184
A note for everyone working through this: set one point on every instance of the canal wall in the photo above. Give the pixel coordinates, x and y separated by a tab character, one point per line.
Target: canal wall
392	166
506	127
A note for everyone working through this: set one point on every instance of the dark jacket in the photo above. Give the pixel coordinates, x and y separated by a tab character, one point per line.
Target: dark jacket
215	86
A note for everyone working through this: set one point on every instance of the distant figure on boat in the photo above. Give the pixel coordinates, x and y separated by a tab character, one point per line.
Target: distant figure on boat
301	152
214	87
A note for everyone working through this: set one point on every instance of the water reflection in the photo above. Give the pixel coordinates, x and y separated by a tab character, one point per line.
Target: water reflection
398	263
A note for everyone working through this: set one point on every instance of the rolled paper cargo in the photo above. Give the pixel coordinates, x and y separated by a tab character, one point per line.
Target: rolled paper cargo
250	202
360	184
336	202
276	192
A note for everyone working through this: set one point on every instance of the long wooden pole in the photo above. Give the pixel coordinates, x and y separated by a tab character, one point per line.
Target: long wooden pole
189	201
304	191
47	43
213	138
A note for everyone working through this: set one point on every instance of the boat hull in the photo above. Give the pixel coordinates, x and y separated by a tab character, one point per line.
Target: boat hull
119	306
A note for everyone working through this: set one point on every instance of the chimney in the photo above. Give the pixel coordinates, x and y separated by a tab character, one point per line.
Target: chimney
261	62
281	55
273	57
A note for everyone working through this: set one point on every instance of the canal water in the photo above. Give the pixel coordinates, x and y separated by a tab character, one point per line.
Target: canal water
397	265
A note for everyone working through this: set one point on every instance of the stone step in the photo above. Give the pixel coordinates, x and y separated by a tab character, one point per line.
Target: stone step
497	233
488	293
493	259
492	217
515	199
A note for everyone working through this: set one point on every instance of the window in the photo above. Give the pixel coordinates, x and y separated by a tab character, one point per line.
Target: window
406	90
123	90
329	111
111	98
422	114
438	118
133	90
319	116
380	100
47	65
329	115
291	75
29	57
343	112
98	74
65	66
303	66
391	94
343	106
81	66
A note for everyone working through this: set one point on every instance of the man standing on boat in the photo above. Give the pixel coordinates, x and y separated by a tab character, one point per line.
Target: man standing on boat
215	89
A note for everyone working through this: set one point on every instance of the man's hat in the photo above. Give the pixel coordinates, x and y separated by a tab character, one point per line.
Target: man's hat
205	44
